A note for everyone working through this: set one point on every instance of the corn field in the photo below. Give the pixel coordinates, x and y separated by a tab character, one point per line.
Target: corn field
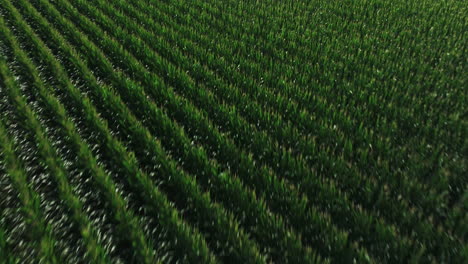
233	131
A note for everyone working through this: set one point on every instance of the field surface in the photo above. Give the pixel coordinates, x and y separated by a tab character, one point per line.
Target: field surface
146	131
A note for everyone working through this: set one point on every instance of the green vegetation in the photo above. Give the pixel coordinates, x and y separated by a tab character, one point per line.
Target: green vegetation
233	131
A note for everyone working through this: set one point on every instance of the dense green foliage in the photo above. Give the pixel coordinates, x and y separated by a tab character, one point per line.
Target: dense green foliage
148	131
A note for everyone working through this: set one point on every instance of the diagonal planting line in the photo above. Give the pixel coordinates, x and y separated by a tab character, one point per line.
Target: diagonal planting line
167	215
40	230
96	252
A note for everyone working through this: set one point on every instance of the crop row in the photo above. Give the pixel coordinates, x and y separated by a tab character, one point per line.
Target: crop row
429	203
187	142
114	143
41	233
393	131
233	131
122	36
148	140
181	83
323	127
127	221
161	89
